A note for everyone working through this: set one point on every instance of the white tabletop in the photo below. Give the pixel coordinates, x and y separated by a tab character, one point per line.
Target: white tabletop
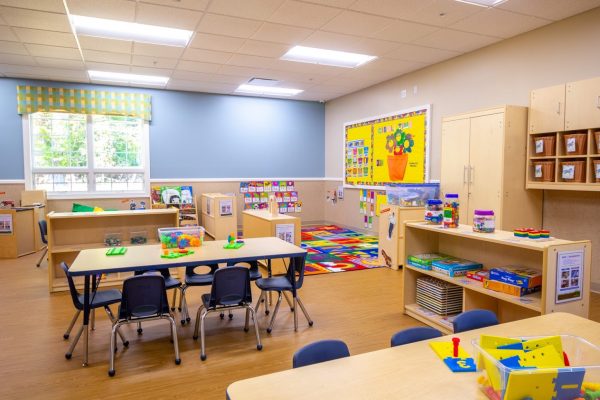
95	261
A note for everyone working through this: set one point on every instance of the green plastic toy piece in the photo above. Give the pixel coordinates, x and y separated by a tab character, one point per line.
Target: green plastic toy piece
233	246
116	251
176	255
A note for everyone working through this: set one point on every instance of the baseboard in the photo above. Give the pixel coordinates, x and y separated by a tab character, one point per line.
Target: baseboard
595	287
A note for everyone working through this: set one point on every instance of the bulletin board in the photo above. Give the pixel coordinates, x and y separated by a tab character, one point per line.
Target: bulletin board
388	149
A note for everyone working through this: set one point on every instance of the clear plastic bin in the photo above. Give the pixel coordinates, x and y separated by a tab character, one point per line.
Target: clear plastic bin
113	239
182	237
498	381
412	195
138	237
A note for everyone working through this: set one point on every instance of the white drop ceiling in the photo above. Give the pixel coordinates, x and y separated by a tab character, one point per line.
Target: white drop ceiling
236	40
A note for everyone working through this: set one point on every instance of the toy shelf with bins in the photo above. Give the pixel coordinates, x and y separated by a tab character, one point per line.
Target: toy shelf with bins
496	249
69	233
219	215
188	212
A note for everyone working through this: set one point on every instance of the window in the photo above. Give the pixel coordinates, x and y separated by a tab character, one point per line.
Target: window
78	155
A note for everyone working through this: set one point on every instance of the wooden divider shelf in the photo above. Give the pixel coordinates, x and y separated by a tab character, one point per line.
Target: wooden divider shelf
492	250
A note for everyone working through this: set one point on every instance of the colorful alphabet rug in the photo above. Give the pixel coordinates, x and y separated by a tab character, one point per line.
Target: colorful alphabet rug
334	249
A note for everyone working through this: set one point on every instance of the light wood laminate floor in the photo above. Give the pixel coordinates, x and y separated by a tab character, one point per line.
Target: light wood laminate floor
359	307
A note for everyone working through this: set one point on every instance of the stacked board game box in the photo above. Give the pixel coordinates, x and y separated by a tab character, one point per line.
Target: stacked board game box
455	266
514	280
438	296
424	261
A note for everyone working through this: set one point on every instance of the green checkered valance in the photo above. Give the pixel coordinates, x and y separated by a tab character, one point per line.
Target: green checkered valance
32	99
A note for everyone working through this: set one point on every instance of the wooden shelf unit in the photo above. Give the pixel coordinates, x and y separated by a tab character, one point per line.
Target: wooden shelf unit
188	215
69	233
391	238
219	224
492	250
557	111
25	236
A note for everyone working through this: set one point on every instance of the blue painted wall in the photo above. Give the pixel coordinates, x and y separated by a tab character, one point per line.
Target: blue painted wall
198	135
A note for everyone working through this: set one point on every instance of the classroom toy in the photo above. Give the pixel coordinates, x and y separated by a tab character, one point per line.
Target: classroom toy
454	356
138	240
132	205
116	251
142	205
233	245
176	253
180	237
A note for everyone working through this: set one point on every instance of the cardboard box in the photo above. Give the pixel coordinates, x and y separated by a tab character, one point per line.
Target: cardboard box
424	261
518	276
478	275
507	288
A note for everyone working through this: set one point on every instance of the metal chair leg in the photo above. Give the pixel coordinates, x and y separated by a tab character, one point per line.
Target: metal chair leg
71	324
139	328
180	297
195	337
113	346
69	352
42	257
310	321
202	337
258	342
295	315
174	299
246	322
113	320
175	344
270	328
184	307
285	295
260	299
93	319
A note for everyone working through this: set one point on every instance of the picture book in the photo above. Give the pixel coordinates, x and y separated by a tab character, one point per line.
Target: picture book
155	194
267	186
171	194
275	186
298	206
294	196
187	195
264	197
286	197
243	187
290	186
251	187
260	187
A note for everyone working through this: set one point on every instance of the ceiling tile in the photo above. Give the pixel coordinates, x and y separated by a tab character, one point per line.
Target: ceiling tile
253	9
252	61
200	76
12	48
353	23
550	9
216	42
151	71
387	65
44	72
409	52
122	10
156	50
41	5
17	59
210	56
281	33
101	44
228	26
402	31
40	50
374	47
330	40
101	66
199	5
264	49
402	9
167	16
50	38
197	86
303	14
7	34
499	23
106	57
242	71
35	19
444	12
332	3
155	62
184	65
60	63
448	39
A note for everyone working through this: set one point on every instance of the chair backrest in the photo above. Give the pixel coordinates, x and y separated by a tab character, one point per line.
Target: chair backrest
474	319
43	230
411	335
231	286
72	288
144	296
163	271
296	271
320	351
253	265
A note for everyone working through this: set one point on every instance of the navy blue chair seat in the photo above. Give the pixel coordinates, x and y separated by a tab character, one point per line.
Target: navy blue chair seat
474	319
144	298
412	335
276	284
101	298
320	351
230	290
193	278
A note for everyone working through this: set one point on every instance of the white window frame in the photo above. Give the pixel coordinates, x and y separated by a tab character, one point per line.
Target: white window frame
90	170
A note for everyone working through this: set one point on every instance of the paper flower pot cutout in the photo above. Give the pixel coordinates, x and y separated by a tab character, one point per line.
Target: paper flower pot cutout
397	166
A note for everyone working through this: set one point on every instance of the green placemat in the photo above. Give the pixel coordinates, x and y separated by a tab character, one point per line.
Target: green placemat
116	251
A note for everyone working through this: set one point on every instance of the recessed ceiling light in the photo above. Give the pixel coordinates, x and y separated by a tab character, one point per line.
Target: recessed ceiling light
119	77
334	58
482	3
267	90
113	29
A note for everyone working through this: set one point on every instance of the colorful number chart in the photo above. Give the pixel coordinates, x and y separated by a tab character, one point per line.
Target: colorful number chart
256	195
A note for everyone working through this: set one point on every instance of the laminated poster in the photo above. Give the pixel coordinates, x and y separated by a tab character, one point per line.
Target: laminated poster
225	207
285	232
275	186
243	187
267	186
260	187
6	224
569	276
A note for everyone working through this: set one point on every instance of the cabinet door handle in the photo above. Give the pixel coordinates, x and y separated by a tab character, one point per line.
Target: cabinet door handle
558	109
598	102
464	175
471	174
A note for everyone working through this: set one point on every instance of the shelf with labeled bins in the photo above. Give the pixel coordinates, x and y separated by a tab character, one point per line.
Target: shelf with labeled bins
548	152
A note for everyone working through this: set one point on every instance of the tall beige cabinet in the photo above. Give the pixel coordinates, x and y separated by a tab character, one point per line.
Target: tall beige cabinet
483	160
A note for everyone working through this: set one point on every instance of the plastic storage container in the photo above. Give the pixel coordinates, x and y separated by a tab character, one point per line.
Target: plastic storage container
497	381
543	171
575	143
544	146
113	239
434	212
451	206
572	171
412	195
139	237
182	237
484	221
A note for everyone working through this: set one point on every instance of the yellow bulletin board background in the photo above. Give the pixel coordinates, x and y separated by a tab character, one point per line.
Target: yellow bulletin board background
388	149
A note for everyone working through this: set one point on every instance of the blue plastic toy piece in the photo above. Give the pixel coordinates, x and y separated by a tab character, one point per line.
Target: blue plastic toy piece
460	364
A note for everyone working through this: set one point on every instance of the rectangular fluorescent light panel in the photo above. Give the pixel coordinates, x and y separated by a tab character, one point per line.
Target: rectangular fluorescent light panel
121	30
482	3
118	77
334	58
267	90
